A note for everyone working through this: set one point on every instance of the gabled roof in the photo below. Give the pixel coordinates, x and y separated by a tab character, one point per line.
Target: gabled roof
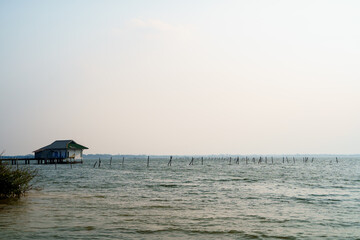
62	144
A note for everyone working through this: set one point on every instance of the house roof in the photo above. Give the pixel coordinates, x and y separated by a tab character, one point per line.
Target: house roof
62	144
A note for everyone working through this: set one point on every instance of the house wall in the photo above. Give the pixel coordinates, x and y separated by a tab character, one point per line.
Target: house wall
58	153
77	152
51	154
42	154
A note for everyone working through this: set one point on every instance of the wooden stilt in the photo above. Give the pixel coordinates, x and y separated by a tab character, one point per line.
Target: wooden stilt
192	161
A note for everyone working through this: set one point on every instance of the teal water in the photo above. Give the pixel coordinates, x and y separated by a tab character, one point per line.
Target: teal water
319	200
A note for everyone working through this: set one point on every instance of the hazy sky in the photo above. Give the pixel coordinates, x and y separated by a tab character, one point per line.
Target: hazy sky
181	77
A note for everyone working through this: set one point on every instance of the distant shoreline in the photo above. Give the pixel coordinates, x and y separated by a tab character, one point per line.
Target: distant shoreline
92	156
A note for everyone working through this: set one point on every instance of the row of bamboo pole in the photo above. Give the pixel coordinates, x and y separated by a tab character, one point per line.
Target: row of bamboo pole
236	160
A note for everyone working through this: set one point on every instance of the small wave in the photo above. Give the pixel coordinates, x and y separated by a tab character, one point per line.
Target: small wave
100	196
237	180
229	180
158	207
82	228
251	198
237	233
163	185
316	200
170	185
330	195
277	237
89	228
158	200
125	215
190	231
267	220
303	200
329	201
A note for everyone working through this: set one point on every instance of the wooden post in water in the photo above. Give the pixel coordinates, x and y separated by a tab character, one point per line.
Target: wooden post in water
337	161
110	160
230	161
169	163
283	160
123	161
202	160
95	164
192	161
312	160
148	161
99	163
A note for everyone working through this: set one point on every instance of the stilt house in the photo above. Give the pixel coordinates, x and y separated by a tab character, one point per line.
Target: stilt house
61	149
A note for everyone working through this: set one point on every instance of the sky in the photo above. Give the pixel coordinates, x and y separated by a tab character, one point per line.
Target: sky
181	77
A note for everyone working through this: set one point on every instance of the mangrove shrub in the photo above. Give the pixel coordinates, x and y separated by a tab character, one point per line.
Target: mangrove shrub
15	182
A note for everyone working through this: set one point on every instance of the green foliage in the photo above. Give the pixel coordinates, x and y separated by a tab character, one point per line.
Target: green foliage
15	182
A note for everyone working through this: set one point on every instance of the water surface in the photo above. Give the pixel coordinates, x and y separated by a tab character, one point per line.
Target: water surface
319	200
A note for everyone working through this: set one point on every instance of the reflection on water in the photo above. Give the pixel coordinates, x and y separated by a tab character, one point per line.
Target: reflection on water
210	201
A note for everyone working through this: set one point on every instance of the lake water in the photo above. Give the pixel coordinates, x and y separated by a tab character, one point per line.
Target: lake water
319	200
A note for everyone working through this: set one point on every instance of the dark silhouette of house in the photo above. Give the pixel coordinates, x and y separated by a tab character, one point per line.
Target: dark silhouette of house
61	149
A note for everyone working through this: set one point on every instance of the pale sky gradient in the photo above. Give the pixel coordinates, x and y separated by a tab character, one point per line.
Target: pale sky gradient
181	77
